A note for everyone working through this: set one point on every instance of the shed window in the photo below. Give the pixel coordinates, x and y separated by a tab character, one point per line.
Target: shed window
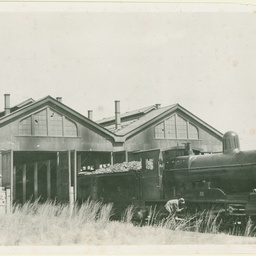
25	126
70	128
176	127
170	128
56	127
47	122
159	131
40	123
193	132
181	128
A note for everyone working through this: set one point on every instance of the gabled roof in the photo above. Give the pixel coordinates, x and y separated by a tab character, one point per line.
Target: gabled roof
22	109
156	114
18	106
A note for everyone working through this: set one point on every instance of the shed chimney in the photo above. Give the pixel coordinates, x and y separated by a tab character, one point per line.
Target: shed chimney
117	114
59	99
7	108
158	106
90	114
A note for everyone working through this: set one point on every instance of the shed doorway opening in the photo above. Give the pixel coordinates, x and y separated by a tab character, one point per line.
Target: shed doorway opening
44	176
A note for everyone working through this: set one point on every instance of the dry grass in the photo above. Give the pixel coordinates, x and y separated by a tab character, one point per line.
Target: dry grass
89	224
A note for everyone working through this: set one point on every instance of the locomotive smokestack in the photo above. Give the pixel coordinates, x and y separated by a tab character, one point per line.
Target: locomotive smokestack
117	114
231	143
7	108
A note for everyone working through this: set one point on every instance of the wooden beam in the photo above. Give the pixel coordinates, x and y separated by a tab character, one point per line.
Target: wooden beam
24	181
48	179
36	180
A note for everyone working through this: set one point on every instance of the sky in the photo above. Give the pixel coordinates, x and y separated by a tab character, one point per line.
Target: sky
202	56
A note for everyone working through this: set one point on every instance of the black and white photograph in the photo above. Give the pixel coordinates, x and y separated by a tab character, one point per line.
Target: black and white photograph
127	127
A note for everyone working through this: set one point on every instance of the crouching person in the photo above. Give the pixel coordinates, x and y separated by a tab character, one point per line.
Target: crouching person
174	207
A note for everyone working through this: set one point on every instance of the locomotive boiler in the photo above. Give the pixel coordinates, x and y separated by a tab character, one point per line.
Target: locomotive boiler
226	180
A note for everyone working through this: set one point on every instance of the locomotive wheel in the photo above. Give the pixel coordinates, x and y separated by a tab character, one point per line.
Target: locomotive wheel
235	225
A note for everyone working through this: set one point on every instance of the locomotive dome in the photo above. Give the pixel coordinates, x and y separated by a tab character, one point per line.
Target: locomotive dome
231	143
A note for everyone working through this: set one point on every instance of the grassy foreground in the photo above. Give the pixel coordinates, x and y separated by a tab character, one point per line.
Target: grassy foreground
50	224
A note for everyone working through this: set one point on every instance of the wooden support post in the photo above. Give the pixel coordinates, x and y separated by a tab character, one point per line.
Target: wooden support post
79	162
14	183
10	192
75	176
58	177
36	180
48	179
94	188
79	166
111	158
69	178
8	201
71	202
96	162
24	181
126	156
1	170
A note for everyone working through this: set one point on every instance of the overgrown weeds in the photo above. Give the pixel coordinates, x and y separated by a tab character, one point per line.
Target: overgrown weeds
90	223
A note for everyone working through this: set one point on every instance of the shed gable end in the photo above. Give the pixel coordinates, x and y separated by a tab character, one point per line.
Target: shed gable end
176	127
47	122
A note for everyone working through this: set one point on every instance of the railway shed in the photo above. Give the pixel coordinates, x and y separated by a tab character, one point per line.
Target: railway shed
42	145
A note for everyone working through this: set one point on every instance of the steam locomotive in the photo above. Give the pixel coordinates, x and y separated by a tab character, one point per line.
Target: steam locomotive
225	181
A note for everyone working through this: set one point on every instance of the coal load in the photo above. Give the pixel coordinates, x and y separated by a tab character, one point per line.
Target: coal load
119	167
